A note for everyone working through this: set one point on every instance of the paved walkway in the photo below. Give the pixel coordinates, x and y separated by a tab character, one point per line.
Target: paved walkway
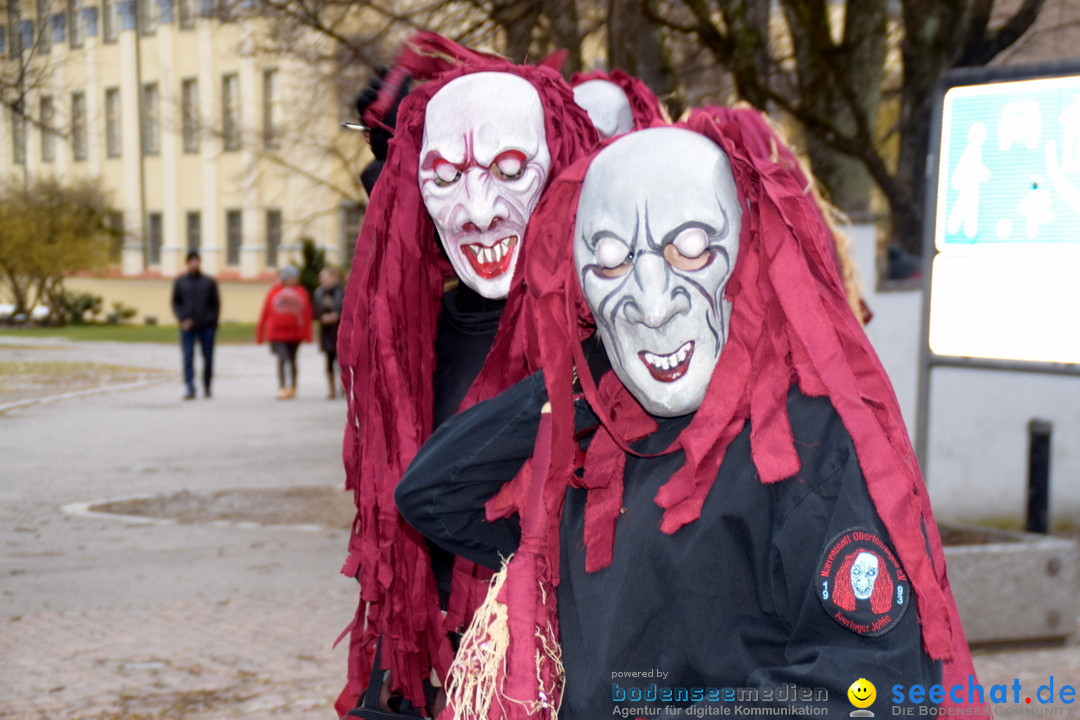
104	618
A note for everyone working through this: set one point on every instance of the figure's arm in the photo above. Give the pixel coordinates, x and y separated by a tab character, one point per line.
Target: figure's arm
836	581
177	301
827	643
264	316
466	462
308	314
215	302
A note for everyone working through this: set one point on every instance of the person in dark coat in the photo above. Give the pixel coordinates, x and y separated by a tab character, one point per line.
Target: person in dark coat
196	304
329	297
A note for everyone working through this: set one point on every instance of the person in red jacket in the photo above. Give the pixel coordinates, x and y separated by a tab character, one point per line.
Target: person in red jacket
285	322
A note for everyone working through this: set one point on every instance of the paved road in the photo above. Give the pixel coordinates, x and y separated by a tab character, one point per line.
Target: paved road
106	618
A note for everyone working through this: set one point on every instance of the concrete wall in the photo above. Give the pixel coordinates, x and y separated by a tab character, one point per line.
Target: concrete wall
976	465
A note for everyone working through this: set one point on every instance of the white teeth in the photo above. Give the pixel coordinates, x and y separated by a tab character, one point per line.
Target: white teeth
493	254
667	362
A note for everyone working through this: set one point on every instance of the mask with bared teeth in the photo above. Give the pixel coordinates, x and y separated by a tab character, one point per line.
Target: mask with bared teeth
483	164
655	241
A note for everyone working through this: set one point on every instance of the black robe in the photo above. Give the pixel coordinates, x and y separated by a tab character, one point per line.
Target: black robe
728	608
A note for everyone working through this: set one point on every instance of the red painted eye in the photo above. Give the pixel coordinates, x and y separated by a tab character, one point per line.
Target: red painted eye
509	165
445	173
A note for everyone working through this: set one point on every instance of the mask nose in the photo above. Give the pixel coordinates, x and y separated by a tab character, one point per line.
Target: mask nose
479	211
656	303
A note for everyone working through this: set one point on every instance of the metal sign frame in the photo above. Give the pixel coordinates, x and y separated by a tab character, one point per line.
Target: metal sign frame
928	359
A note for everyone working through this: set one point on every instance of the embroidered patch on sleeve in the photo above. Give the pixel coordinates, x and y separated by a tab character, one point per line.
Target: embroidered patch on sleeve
860	583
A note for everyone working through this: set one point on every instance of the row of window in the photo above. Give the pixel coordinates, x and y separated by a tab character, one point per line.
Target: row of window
79	21
234	235
150	119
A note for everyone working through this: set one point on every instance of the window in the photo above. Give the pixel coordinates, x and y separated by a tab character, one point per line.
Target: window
225	10
273	237
230	111
110	20
112	122
189	12
151	120
18	136
234	237
14	20
44	32
189	109
26	34
114	221
194	231
78	126
271	110
146	16
48	134
153	238
351	217
75	25
90	20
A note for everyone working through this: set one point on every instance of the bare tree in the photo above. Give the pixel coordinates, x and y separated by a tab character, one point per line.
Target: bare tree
832	76
834	68
25	65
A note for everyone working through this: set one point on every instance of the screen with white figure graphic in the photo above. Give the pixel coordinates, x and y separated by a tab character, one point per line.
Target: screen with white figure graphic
1005	280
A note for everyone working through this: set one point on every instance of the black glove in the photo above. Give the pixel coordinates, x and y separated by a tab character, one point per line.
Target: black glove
379	135
370	93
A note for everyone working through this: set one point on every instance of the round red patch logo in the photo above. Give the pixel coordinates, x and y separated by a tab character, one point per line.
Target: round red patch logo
860	583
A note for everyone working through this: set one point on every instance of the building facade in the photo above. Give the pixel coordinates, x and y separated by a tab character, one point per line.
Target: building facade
202	137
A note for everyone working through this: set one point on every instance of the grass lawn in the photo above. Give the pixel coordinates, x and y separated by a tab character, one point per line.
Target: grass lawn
227	332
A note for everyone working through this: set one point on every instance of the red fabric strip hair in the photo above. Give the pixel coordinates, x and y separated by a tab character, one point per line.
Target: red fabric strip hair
386	345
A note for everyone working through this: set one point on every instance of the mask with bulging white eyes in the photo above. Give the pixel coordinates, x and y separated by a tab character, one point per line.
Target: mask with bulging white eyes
655	242
484	161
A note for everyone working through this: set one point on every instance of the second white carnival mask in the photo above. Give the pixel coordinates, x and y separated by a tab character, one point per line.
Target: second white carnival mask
483	164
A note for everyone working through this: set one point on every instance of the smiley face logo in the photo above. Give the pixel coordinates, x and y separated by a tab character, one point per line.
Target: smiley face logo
862	693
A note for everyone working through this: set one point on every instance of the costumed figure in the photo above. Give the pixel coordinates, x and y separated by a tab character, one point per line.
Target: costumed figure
472	151
708	487
617	102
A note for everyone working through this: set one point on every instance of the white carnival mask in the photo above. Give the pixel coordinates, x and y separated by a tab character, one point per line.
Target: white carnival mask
607	106
656	239
864	572
483	164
